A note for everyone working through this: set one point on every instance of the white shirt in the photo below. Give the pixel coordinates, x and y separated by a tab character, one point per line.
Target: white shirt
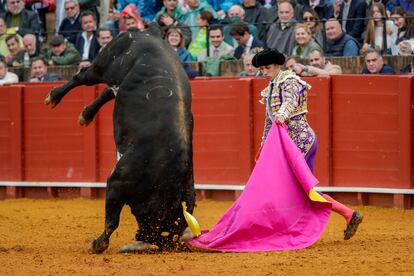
86	46
248	45
9	78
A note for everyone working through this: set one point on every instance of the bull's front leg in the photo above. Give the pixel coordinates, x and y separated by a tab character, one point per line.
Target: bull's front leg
113	207
57	93
89	111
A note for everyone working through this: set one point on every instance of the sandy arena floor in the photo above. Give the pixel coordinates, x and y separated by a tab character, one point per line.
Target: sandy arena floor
49	237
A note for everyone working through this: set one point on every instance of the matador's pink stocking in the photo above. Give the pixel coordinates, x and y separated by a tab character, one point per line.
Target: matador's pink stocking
339	208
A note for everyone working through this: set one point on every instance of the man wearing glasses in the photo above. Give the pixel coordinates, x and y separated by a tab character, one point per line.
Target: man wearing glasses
71	25
22	20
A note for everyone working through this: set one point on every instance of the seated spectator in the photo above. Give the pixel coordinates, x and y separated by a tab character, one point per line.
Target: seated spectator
374	32
318	65
375	64
70	26
199	43
190	16
41	8
4	33
281	34
248	69
22	20
61	52
304	41
32	50
256	14
14	45
323	9
311	18
339	43
171	7
38	71
405	35
351	14
6	77
130	18
236	14
246	42
86	42
218	48
290	63
166	21
104	36
175	38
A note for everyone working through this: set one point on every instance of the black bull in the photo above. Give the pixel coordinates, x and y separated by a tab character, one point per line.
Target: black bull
153	131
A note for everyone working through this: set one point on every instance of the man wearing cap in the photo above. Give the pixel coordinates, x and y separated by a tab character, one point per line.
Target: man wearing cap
61	52
286	103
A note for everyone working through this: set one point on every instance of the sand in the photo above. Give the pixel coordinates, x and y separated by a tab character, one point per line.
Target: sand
49	237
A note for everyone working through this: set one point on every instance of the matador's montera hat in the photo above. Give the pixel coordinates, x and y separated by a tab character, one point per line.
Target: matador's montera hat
267	57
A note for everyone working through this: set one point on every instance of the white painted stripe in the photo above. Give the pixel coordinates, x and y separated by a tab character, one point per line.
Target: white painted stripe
223	187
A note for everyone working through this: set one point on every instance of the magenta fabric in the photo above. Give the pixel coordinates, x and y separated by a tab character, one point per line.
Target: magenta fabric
274	211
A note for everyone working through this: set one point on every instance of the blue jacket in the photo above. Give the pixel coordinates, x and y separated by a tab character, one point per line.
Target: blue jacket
385	70
93	51
354	27
255	44
346	45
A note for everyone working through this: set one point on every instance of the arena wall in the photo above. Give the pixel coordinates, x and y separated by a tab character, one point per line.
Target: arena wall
364	126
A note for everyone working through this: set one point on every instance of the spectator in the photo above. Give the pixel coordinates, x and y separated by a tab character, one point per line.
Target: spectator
32	50
318	65
14	45
23	21
257	14
322	8
199	43
351	13
281	33
38	72
171	7
86	42
175	38
374	32
405	34
375	64
236	14
311	18
338	42
61	52
146	8
246	42
290	63
130	18
304	41
190	17
249	69
218	47
71	26
104	36
166	21
6	77
4	33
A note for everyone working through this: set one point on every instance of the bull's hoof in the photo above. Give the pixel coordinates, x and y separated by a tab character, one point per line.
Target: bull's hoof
50	101
138	247
82	121
99	245
187	235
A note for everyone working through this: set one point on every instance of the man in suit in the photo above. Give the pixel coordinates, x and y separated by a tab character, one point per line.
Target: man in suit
218	47
38	72
70	26
22	20
351	14
86	42
246	42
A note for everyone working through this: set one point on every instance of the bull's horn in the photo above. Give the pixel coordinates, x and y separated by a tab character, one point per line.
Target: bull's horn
191	220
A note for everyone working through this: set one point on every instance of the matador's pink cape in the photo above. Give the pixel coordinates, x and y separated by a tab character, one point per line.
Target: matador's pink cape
278	209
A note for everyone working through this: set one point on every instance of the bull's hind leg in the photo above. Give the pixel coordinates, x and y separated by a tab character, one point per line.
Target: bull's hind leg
113	207
89	111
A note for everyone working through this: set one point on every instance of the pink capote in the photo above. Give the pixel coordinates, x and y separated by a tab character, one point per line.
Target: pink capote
274	212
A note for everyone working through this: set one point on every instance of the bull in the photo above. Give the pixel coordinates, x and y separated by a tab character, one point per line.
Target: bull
153	127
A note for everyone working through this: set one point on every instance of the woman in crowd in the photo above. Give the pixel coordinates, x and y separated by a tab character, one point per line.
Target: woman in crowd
374	32
199	43
405	24
311	18
166	21
176	39
304	41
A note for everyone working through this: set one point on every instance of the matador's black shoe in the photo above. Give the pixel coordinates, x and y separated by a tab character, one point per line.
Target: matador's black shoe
353	225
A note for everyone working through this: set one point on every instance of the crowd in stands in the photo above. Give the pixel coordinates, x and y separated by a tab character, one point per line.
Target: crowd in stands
209	31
